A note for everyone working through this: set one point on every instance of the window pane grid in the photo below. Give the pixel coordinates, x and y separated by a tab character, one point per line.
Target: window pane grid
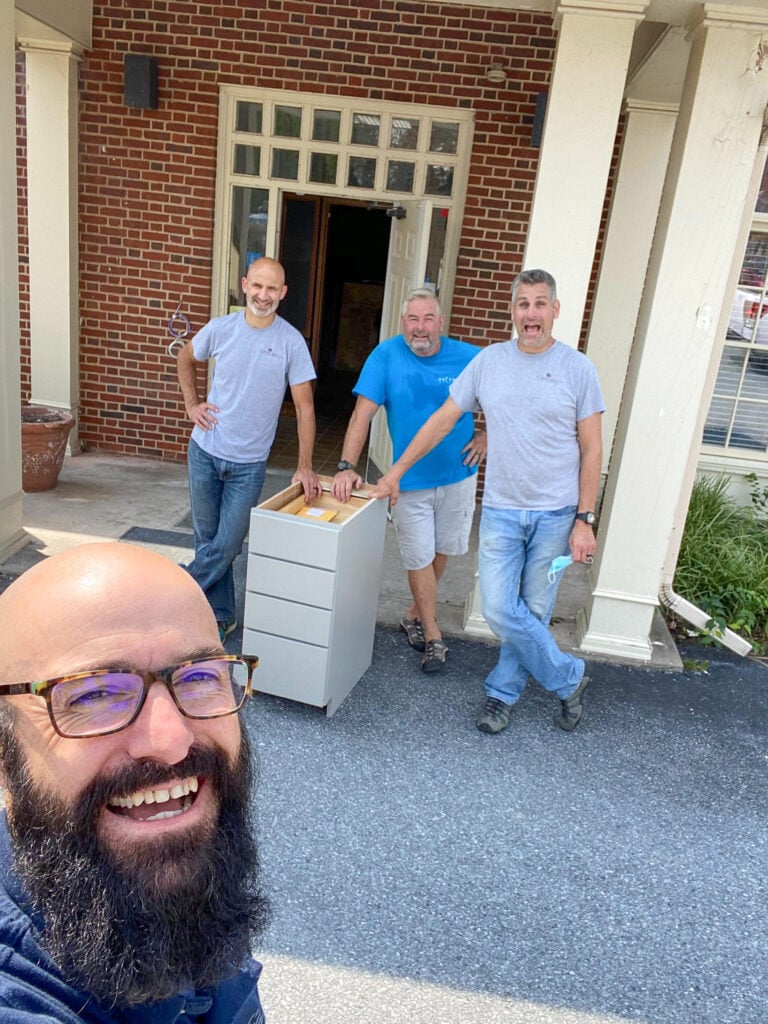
379	140
738	414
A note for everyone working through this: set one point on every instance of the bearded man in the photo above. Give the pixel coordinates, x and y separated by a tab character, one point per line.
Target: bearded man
258	355
409	375
129	871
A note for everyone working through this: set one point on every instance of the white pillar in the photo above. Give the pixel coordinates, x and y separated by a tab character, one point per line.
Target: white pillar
585	95
637	194
11	533
583	106
708	182
52	106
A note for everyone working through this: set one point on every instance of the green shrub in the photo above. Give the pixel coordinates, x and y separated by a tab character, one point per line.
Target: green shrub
723	562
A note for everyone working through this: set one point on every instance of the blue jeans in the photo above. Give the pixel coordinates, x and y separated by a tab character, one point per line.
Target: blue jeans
516	549
221	495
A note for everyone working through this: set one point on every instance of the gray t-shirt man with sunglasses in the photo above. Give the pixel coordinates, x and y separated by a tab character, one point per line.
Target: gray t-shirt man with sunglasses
128	870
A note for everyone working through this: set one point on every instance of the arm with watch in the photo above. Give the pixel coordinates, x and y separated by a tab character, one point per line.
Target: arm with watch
582	540
348	477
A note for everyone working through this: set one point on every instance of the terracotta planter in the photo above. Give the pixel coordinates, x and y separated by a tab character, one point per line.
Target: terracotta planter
44	434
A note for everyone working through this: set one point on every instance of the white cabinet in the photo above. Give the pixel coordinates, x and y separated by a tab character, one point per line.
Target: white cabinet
311	594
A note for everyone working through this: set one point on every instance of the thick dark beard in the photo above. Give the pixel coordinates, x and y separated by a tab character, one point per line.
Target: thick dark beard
137	926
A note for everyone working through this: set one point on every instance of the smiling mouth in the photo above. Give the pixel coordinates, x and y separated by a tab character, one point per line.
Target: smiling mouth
158	803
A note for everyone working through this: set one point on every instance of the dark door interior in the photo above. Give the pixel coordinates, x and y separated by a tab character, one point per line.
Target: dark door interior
335	258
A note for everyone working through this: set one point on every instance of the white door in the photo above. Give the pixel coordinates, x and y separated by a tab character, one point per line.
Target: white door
406	266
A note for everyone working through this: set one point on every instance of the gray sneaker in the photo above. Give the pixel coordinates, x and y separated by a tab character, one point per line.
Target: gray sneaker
414	631
495	715
572	708
435	653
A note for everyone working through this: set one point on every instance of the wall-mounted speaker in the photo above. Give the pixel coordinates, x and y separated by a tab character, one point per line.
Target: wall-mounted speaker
538	119
140	81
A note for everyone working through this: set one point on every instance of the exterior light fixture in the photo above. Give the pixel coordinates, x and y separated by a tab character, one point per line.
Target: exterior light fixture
496	73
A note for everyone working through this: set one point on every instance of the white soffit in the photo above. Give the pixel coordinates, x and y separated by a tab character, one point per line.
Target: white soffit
54	21
657	77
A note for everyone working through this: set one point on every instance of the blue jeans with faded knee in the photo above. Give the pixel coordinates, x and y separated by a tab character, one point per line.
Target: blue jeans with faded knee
516	549
221	495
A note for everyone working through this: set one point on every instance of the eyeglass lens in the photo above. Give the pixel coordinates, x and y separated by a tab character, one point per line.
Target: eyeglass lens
106	701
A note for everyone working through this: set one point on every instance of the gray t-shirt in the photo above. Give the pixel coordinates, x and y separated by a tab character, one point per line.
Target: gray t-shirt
254	365
532	404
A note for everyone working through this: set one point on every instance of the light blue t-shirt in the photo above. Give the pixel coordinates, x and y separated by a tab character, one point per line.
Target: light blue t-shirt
254	366
532	404
411	388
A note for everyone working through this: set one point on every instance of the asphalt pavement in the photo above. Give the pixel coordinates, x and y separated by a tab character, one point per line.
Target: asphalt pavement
422	871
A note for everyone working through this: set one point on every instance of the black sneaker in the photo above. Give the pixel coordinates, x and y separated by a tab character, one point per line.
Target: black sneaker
495	715
572	708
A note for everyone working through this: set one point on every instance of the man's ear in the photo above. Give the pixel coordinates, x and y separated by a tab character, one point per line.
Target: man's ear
556	307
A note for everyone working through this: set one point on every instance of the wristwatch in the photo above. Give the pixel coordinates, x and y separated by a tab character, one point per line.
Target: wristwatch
586	517
345	465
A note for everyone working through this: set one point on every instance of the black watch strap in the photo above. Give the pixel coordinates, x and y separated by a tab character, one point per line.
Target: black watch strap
345	465
585	517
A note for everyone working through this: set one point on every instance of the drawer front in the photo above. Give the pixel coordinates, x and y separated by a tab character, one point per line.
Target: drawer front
290	581
293	539
288	668
287	619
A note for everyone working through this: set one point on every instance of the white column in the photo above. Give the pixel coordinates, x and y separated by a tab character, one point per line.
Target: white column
11	533
583	106
51	75
637	194
708	182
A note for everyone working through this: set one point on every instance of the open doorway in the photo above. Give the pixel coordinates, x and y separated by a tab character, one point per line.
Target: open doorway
335	257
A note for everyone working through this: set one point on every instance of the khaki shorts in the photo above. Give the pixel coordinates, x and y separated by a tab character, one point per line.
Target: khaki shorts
434	521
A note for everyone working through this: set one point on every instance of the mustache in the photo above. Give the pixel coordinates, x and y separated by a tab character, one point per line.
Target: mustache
200	760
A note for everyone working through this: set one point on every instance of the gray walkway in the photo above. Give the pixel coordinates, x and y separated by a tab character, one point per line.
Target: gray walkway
423	872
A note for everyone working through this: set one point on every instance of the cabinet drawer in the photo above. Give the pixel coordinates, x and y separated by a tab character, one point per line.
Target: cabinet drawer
288	668
293	539
290	581
287	619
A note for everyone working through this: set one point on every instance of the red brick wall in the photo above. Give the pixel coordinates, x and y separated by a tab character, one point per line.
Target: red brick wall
21	173
147	177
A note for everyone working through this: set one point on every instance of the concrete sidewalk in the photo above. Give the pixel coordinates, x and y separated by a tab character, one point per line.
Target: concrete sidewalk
103	497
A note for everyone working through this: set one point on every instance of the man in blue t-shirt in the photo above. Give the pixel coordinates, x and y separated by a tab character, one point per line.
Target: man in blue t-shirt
129	871
409	375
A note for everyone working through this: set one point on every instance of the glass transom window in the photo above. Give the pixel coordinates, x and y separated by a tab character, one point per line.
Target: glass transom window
348	145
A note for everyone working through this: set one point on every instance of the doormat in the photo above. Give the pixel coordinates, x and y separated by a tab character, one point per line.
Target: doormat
6	579
276	480
164	538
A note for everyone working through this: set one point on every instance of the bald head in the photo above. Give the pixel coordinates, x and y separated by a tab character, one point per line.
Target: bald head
266	265
100	603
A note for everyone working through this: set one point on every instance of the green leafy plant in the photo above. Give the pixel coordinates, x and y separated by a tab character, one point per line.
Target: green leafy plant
758	494
723	562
